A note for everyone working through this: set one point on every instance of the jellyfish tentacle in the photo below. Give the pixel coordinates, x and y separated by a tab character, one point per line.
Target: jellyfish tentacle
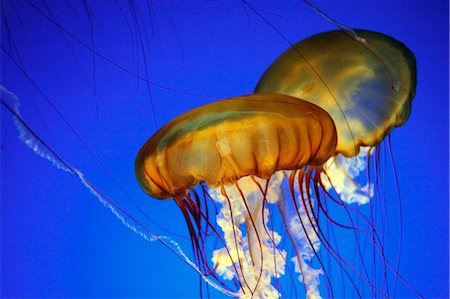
254	230
270	234
197	212
361	260
307	274
239	274
377	241
400	209
304	181
326	243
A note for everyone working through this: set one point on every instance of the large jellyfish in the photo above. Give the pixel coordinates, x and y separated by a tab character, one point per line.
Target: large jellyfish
331	96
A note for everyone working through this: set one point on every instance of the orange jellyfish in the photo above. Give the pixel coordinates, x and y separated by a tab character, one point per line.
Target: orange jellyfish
254	173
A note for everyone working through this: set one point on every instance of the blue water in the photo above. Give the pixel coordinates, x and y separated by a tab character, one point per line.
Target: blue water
59	241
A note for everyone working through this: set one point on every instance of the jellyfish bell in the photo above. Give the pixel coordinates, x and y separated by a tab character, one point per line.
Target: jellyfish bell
365	80
223	141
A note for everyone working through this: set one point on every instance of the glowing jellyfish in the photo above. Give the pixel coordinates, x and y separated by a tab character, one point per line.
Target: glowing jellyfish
342	90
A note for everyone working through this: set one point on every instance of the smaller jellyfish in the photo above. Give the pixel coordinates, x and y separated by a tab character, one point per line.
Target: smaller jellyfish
254	173
365	80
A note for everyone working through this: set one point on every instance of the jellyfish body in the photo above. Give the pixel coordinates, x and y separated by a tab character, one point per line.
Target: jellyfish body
313	111
365	80
223	141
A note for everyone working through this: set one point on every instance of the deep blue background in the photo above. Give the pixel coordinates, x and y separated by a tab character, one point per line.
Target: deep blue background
58	241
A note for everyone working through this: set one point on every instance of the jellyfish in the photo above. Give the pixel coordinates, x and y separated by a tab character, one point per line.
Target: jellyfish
365	80
286	154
